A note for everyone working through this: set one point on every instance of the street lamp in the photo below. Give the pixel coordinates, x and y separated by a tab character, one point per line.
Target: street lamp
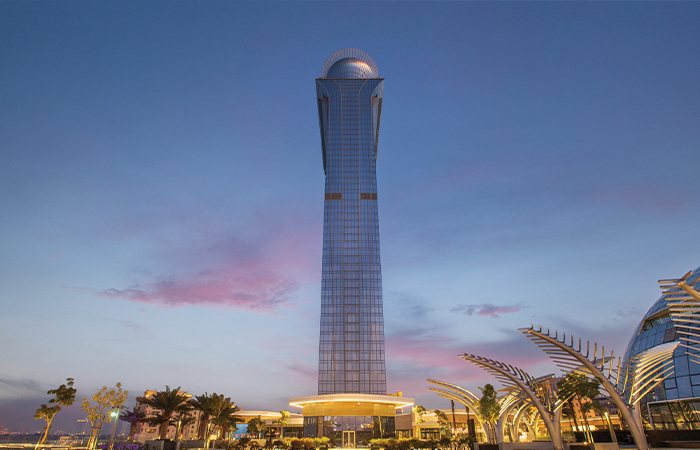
115	414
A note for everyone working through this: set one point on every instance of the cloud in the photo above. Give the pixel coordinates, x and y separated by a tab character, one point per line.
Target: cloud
414	356
23	386
259	270
257	292
428	349
18	413
485	309
303	369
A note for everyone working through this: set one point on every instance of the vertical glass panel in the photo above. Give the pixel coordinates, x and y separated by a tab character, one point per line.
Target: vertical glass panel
350	218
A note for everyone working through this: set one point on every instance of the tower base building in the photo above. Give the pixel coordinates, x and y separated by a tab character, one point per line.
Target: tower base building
351	419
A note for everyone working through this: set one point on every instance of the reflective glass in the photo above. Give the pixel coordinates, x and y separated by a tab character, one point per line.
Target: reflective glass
672	403
351	350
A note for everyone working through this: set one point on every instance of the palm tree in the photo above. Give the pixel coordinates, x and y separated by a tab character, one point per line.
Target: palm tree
256	426
229	419
134	418
282	422
201	403
569	411
166	402
221	412
183	419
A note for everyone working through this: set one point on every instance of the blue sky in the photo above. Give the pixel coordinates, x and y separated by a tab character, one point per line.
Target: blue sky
161	187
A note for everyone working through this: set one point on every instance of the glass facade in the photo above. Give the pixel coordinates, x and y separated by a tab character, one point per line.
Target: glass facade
364	427
675	403
351	351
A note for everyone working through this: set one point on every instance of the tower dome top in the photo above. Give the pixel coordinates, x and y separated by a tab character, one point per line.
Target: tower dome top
350	63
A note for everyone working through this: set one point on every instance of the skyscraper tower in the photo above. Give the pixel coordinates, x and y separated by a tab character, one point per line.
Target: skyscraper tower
352	405
351	351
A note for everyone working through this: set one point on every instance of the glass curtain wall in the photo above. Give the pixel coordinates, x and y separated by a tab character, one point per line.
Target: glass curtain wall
351	352
675	403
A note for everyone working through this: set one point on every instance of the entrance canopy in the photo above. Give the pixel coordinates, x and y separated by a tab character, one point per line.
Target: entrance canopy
351	404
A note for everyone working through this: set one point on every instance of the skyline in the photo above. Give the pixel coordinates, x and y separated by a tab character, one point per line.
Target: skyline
160	178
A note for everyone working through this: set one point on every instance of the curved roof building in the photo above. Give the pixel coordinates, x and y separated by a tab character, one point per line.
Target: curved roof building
674	404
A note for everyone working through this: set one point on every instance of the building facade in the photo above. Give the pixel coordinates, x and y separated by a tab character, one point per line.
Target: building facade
351	351
189	425
675	403
183	426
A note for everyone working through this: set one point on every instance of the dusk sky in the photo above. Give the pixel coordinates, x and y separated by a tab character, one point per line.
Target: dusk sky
161	187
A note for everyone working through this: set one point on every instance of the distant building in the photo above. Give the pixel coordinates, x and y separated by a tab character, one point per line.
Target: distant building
294	427
189	427
427	427
146	432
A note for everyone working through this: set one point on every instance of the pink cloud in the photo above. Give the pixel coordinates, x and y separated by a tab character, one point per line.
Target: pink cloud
303	369
258	292
420	350
260	269
415	356
485	309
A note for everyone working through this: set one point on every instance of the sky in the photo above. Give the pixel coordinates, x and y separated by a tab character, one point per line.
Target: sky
161	187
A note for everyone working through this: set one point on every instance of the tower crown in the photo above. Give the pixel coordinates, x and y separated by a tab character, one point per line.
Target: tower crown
350	68
350	63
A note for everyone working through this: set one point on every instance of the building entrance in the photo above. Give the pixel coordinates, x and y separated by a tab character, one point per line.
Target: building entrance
348	439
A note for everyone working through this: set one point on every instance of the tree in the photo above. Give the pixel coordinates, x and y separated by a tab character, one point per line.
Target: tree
230	421
218	412
582	391
183	418
166	402
489	409
46	413
106	400
64	395
282	421
420	411
223	414
201	403
256	426
569	411
444	422
133	418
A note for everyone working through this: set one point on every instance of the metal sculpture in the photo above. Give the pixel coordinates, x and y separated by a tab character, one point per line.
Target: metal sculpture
470	400
670	286
515	432
636	377
459	394
648	369
684	304
516	379
508	403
